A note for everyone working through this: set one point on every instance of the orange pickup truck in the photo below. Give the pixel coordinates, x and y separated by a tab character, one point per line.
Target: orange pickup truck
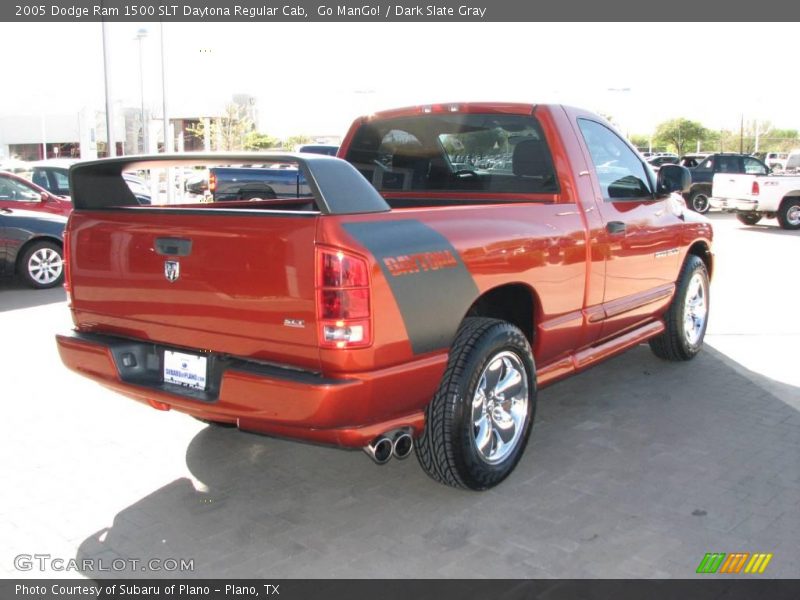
411	298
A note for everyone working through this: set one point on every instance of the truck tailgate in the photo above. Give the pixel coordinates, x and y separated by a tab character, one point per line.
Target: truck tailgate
231	278
239	285
732	185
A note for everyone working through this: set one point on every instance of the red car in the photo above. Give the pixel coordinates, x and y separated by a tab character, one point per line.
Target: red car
405	298
18	193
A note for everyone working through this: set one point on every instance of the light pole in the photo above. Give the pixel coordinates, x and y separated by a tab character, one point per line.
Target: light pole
111	148
141	34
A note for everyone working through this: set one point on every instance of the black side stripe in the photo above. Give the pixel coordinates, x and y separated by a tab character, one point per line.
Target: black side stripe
430	283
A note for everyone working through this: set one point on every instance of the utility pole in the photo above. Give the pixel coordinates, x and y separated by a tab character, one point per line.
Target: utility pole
168	137
755	150
741	135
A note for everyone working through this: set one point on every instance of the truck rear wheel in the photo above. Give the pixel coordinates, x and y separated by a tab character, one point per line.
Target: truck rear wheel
789	213
687	315
749	218
479	421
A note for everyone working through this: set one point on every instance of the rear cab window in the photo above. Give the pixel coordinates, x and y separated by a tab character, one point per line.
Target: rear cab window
455	155
754	167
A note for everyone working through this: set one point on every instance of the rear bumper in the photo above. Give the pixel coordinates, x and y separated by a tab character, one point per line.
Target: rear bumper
349	410
733	204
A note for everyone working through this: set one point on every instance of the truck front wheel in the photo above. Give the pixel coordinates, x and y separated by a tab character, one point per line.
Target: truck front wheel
687	315
479	420
749	218
698	202
789	213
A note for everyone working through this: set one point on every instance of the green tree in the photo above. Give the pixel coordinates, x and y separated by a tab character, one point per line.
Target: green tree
779	140
640	141
291	142
680	134
260	141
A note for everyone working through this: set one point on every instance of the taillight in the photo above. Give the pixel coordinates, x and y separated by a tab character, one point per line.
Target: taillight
754	191
343	299
65	257
212	182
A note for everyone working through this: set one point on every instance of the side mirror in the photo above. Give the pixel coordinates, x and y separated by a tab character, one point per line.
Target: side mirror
673	178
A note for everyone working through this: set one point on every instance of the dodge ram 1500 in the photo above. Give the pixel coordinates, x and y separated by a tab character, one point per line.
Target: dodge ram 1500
753	197
412	298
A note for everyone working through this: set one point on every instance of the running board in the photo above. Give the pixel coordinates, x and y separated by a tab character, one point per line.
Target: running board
589	357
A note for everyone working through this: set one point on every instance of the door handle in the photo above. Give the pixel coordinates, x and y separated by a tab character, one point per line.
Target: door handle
173	246
615	227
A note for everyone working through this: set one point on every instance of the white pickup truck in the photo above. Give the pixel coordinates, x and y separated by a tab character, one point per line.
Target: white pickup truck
753	197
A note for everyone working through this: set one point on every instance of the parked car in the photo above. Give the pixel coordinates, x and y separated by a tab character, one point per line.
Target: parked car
793	162
53	175
690	161
327	149
665	159
16	166
32	246
703	176
256	182
18	193
776	160
197	182
425	314
754	197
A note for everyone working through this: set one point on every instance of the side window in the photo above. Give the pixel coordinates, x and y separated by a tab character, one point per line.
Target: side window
11	189
620	173
728	164
706	165
753	167
40	178
62	181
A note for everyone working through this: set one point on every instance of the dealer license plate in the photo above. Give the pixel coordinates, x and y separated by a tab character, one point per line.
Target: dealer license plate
185	369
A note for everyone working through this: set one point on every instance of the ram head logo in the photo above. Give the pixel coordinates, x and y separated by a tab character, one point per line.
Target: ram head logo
172	270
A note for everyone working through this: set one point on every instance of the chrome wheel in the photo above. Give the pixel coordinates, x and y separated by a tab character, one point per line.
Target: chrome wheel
695	309
500	407
45	266
700	203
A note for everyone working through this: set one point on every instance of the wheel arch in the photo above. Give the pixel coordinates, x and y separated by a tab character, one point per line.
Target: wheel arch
701	249
788	196
39	238
514	302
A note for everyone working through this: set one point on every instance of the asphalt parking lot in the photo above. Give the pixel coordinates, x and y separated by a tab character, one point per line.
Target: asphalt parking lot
637	468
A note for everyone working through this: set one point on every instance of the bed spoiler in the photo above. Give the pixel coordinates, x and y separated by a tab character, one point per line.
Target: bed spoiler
336	185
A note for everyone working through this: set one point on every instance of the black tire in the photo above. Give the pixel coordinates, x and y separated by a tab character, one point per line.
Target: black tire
749	218
447	449
789	214
41	266
698	201
675	343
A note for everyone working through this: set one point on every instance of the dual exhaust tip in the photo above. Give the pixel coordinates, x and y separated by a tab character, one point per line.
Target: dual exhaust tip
384	447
